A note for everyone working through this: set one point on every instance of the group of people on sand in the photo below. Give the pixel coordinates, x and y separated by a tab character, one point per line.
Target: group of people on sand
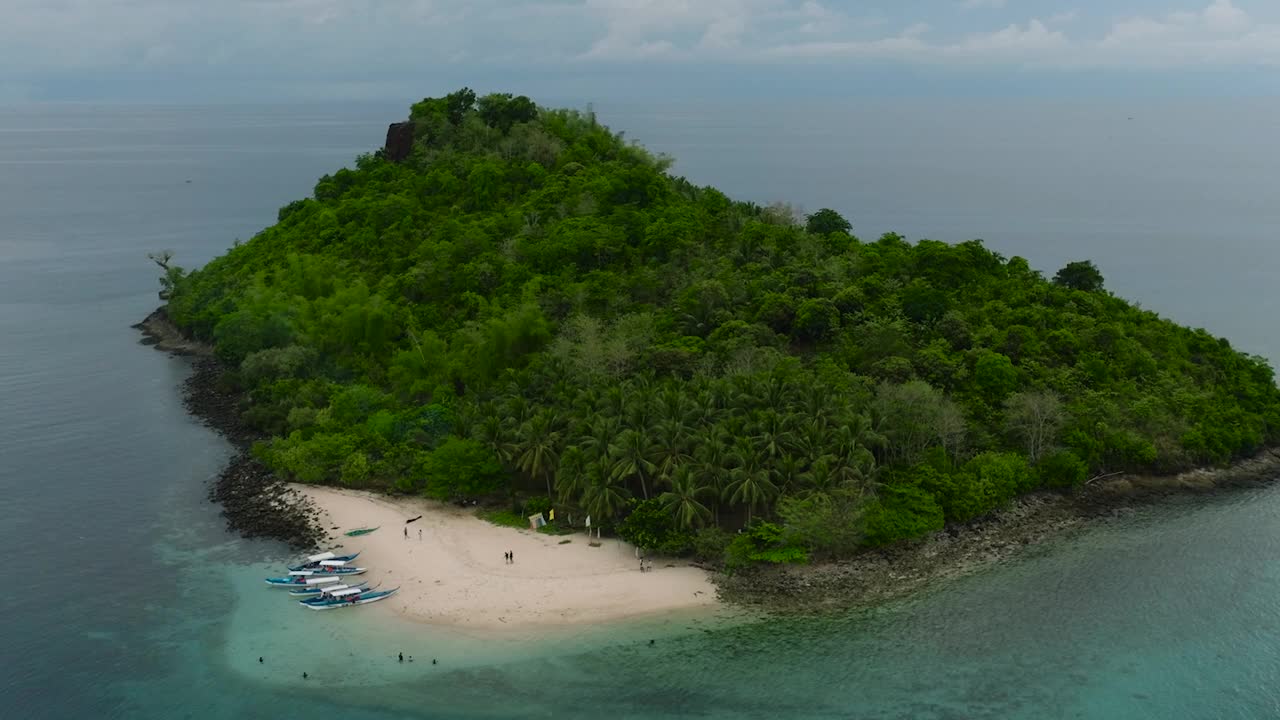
509	556
646	565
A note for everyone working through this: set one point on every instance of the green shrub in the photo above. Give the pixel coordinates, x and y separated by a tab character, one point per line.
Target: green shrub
537	504
650	527
505	518
1062	469
709	544
901	512
763	542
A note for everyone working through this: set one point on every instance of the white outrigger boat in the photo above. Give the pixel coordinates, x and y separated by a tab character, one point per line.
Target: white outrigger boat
347	598
302	578
339	567
322	586
313	562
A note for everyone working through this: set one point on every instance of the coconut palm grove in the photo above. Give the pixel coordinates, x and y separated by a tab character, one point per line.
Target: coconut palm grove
531	312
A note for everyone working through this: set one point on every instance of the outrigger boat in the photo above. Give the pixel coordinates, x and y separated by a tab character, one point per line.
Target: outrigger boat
346	598
338	567
360	531
302	578
322	588
314	561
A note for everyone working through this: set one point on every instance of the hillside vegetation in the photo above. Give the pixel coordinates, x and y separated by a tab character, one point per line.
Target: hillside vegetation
531	308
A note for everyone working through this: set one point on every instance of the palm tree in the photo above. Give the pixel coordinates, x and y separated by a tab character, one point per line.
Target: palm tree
669	448
539	447
749	482
674	406
602	495
601	433
855	469
640	408
854	432
586	401
816	401
631	458
571	476
773	393
518	409
819	478
713	465
788	472
682	499
615	402
706	408
492	431
773	436
814	438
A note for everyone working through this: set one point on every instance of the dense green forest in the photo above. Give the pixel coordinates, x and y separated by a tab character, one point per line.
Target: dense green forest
533	310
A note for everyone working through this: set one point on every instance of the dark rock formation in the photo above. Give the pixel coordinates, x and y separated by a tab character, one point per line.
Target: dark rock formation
254	501
399	141
159	331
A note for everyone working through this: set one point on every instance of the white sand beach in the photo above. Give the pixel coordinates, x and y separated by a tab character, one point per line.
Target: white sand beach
456	574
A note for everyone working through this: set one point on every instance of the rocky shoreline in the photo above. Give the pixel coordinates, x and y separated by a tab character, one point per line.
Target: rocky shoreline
254	502
892	573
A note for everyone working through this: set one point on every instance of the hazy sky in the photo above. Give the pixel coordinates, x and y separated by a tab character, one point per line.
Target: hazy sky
251	49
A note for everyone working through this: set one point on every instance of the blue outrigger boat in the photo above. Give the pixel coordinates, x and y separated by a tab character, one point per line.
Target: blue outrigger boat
314	561
304	578
347	598
323	588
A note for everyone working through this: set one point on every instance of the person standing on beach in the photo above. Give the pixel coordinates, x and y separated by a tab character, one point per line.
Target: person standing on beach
419	534
511	555
406	533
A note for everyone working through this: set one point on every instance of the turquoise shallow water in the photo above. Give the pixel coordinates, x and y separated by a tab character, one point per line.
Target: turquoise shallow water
136	603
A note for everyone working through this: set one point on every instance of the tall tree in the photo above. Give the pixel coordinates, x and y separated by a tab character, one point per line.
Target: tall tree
1035	418
603	495
630	453
682	499
827	221
539	448
749	482
1080	275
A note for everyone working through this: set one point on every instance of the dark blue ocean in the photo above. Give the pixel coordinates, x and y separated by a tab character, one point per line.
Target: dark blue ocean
126	598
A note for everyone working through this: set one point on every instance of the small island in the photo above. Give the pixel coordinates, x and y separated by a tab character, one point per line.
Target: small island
512	306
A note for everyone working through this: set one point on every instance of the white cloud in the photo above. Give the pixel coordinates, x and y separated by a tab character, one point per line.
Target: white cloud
1219	34
307	39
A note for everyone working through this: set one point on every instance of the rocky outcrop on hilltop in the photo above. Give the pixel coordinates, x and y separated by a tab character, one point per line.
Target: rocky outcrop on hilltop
399	141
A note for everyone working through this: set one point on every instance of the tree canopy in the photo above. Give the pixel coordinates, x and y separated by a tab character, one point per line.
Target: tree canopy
530	305
1080	275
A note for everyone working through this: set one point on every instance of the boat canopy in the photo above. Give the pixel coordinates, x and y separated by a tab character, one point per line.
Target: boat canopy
334	589
347	592
322	580
301	573
333	563
321	556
